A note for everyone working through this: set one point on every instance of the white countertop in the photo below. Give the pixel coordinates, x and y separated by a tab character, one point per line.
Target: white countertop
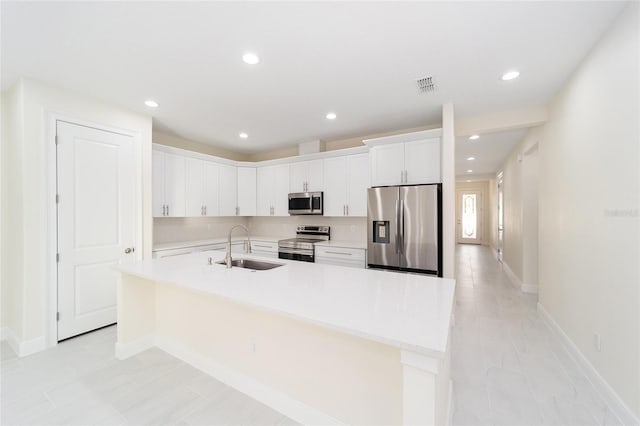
408	311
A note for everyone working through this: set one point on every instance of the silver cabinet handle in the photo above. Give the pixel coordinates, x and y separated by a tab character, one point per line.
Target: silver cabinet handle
164	210
129	250
167	209
406	177
205	210
339	252
347	206
401	176
237	211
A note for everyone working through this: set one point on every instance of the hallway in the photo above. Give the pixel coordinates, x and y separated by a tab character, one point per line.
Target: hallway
507	369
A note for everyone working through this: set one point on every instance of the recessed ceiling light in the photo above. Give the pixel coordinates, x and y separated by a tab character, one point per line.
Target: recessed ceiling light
250	58
471	158
469	171
510	75
150	103
474	137
243	135
331	116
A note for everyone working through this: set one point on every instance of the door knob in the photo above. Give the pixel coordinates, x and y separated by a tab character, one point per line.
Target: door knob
129	250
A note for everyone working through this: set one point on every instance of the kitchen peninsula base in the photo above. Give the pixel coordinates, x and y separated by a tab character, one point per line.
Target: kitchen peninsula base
311	373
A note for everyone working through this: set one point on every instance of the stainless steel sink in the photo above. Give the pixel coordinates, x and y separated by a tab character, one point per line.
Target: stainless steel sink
252	264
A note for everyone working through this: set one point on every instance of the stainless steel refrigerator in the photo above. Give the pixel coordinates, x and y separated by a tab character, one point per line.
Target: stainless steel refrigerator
404	228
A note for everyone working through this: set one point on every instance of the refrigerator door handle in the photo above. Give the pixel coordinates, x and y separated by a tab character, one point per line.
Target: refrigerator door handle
401	227
397	226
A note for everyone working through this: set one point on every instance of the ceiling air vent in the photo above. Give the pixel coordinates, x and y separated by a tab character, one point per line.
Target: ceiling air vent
426	85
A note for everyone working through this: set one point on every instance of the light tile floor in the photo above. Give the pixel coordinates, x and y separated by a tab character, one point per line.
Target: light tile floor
79	382
507	368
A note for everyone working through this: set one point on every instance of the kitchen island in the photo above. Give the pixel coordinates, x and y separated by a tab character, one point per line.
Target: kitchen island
322	344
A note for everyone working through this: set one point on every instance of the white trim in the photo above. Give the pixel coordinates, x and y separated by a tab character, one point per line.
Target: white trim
25	347
512	276
404	137
420	361
619	408
281	402
529	288
10	337
28	347
127	350
450	407
50	123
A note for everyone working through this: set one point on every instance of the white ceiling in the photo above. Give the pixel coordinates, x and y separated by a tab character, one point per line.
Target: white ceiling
489	151
359	59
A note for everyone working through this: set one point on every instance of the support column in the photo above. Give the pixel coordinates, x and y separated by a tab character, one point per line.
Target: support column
448	192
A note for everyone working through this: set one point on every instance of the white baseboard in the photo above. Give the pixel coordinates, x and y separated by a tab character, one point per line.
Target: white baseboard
25	347
619	408
286	405
512	276
127	350
529	288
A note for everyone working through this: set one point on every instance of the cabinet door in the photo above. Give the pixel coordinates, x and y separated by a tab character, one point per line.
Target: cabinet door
210	186
246	191
315	175
387	164
298	176
174	184
422	161
157	165
335	186
358	182
227	190
264	190
280	190
194	205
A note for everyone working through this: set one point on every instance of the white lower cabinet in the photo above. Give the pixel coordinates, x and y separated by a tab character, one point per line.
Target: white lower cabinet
341	256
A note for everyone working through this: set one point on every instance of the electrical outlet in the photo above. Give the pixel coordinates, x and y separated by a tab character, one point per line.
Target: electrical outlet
597	341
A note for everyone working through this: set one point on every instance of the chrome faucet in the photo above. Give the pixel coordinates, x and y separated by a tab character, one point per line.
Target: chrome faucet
227	258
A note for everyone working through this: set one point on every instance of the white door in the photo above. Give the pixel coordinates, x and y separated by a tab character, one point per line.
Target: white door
298	177
315	175
280	195
469	216
174	185
210	188
157	164
96	223
246	191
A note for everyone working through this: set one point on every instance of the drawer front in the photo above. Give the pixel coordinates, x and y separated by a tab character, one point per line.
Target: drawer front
264	246
341	253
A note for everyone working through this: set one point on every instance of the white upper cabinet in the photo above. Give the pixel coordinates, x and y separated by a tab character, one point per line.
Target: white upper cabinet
346	180
273	190
246	191
201	188
412	158
168	184
306	176
228	190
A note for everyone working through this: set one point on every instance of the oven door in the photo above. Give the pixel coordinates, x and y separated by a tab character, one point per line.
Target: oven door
296	254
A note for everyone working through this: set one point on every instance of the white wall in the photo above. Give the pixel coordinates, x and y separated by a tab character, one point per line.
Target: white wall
589	199
520	222
26	199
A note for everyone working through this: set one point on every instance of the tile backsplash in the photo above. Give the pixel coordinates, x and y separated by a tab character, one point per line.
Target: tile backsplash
173	229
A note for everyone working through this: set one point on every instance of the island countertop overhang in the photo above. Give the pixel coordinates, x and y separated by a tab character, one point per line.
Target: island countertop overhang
408	311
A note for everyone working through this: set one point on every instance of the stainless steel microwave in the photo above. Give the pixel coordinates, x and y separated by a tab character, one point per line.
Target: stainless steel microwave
306	203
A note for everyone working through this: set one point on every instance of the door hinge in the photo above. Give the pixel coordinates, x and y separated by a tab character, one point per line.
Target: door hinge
57	316
57	257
